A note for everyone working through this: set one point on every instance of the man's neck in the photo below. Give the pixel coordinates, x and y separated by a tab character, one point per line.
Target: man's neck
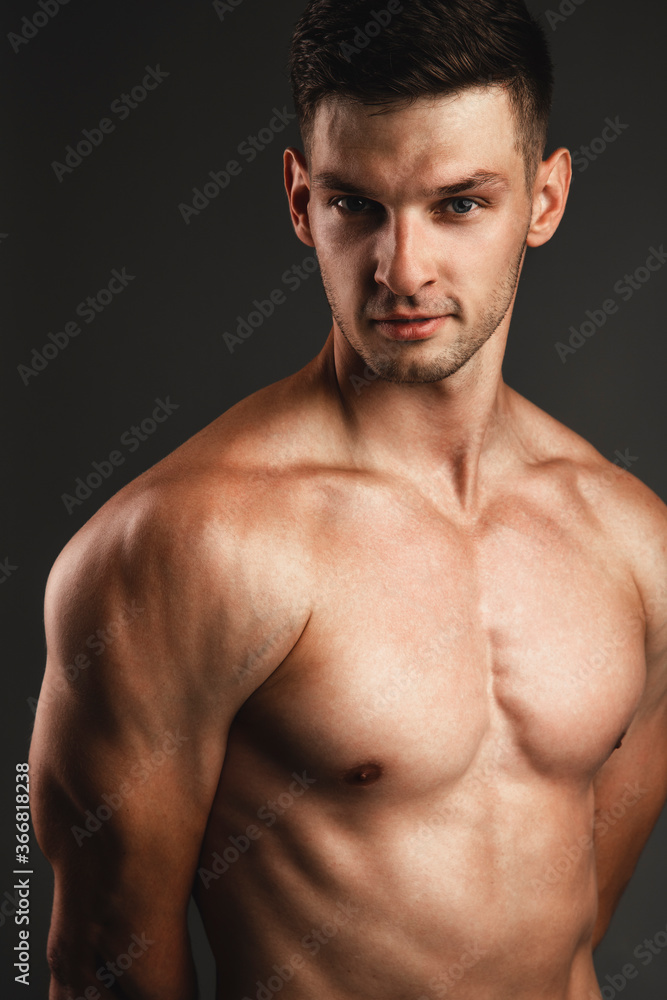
442	435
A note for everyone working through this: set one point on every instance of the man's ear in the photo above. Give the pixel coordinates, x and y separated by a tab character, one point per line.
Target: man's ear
550	191
297	185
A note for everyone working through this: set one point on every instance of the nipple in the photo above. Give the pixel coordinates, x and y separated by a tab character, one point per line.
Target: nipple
618	745
363	774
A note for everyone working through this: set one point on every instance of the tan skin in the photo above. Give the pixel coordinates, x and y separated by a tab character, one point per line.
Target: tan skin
430	602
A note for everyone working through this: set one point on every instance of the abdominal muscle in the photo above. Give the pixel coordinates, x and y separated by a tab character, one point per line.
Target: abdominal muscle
342	886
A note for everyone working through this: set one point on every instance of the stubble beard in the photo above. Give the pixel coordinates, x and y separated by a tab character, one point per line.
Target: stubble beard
394	364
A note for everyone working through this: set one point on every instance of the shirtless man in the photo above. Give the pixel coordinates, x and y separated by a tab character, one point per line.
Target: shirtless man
380	630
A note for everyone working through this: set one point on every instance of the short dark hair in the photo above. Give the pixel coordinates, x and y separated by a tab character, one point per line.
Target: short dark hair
423	48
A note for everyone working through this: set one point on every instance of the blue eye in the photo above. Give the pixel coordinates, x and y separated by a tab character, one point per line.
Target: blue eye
463	206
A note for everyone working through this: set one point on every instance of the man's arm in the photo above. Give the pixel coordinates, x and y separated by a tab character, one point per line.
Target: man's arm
635	776
147	638
635	779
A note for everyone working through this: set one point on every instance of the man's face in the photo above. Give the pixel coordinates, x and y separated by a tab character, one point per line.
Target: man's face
390	240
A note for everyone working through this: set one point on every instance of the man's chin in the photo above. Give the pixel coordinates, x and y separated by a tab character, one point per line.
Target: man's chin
412	372
412	362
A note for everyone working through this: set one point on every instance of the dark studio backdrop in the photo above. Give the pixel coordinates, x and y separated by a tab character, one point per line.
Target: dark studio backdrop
166	283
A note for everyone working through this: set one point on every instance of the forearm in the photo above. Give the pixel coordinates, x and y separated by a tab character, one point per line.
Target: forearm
94	990
88	987
128	965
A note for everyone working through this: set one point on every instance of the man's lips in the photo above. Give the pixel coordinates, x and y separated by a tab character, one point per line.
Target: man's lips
405	317
410	327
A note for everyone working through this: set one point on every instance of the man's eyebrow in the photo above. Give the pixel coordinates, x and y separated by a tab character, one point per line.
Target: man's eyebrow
480	178
335	182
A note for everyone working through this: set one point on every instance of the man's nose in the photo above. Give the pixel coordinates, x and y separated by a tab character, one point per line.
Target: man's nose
405	258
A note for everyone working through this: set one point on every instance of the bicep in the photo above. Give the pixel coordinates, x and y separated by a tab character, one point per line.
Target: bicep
631	787
156	636
125	760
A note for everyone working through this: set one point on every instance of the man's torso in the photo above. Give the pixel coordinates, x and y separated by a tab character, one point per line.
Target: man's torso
406	807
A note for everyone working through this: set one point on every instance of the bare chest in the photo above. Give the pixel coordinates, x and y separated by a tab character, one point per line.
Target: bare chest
431	651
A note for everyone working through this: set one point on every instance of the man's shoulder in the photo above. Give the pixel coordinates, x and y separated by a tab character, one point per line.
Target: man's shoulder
549	441
221	493
631	516
203	552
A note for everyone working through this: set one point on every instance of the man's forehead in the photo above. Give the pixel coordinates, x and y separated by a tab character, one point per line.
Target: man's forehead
455	141
473	111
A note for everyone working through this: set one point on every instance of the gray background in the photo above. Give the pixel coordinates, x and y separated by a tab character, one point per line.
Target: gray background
162	336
